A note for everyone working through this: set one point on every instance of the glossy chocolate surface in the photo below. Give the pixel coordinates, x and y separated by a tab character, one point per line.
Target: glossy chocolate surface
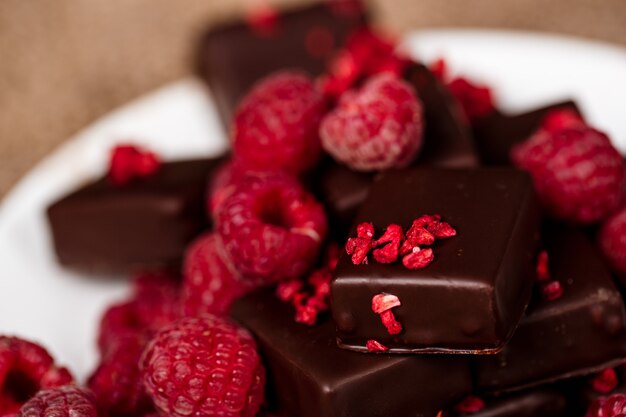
447	143
309	376
496	134
543	402
472	296
581	332
232	57
146	223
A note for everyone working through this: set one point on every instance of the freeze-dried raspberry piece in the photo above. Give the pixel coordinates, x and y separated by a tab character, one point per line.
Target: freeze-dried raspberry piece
612	406
543	273
390	240
206	367
475	99
578	174
271	228
25	368
263	19
470	404
562	119
552	290
605	381
376	127
276	125
382	305
66	401
612	240
376	347
211	282
128	162
360	245
418	258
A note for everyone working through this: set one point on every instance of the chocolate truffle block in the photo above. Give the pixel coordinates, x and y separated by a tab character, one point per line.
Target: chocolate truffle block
234	56
447	143
496	134
581	332
471	298
309	376
146	223
543	402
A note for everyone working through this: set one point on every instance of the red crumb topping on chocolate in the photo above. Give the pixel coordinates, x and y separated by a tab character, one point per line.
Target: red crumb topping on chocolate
470	404
263	19
552	290
543	274
129	162
605	381
376	347
382	304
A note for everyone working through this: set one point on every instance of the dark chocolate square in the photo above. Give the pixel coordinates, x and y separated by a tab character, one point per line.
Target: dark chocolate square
496	134
232	57
146	223
583	331
470	299
309	376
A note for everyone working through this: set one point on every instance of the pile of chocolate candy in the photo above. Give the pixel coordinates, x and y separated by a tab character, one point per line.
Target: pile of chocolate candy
395	245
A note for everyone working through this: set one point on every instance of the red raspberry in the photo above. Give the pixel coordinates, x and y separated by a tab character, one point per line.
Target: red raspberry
276	124
129	162
206	367
612	406
155	302
211	281
578	174
376	127
117	382
562	118
25	368
612	239
66	401
272	228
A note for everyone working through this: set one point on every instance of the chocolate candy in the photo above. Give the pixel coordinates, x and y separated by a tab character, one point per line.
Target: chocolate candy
497	133
543	402
309	376
447	143
146	223
581	332
234	56
470	299
583	392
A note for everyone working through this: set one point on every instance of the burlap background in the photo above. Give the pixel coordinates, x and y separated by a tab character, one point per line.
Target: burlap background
63	63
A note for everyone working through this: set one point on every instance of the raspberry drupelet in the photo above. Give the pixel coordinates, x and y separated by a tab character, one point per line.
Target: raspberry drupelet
66	401
376	127
206	367
276	124
25	368
211	281
272	229
611	406
578	174
612	240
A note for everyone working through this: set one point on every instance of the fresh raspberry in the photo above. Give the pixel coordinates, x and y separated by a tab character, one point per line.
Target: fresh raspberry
276	124
128	162
578	174
212	282
66	401
155	302
377	127
612	406
206	367
25	368
272	228
117	382
612	239
475	100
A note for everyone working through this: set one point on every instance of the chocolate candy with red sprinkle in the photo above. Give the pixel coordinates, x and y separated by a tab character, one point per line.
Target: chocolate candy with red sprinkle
581	332
472	296
542	402
309	376
145	223
233	56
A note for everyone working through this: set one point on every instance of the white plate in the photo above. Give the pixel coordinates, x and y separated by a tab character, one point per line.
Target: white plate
60	308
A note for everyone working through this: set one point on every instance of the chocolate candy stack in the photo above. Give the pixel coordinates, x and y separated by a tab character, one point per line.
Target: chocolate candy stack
503	319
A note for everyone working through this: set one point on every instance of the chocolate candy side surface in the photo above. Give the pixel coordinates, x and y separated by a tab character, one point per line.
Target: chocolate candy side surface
496	134
147	223
233	56
580	332
472	296
309	376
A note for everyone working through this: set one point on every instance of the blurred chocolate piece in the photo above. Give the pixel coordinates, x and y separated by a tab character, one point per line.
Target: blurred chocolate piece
147	223
496	134
542	402
232	57
447	143
581	332
471	298
309	376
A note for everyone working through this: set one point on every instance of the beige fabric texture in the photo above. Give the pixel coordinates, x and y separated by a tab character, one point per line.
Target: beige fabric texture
64	63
